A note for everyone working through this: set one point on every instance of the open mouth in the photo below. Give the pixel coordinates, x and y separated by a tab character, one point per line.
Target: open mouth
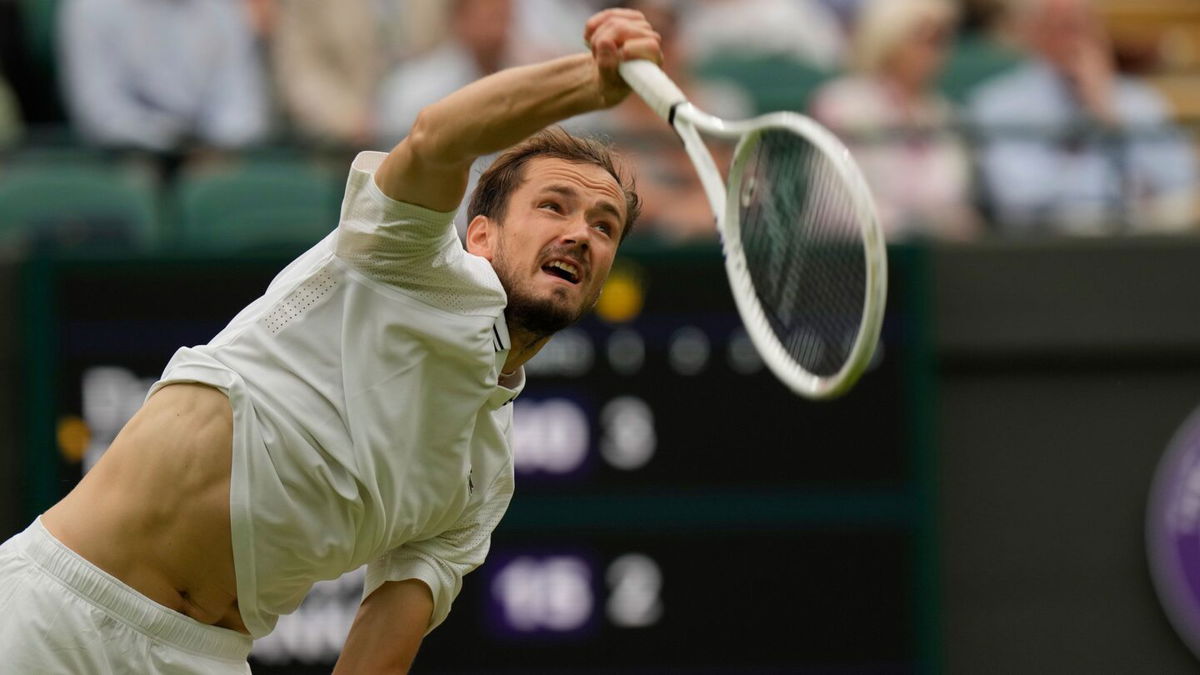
563	270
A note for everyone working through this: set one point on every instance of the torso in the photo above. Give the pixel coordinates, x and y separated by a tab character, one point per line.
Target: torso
303	404
154	511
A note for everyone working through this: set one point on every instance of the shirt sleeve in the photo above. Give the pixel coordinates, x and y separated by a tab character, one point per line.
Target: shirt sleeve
411	248
376	230
443	561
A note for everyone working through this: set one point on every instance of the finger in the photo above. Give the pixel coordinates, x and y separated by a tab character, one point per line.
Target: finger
600	18
605	37
621	31
649	48
607	55
615	12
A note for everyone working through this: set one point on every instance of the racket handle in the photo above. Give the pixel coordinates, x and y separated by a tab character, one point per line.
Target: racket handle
653	85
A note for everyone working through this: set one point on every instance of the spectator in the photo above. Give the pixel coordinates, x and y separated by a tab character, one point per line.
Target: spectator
802	29
478	44
327	60
1070	145
159	75
549	28
410	27
899	128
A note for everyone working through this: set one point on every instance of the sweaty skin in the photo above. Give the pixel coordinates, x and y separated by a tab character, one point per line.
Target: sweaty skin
154	511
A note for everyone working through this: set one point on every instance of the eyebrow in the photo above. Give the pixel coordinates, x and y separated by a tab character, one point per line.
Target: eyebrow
603	205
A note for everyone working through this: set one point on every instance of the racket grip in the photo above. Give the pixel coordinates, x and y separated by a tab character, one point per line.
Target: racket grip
653	85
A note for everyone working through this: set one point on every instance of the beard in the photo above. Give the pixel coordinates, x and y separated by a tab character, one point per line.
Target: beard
542	316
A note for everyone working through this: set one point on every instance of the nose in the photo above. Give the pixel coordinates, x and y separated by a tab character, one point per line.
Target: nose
578	233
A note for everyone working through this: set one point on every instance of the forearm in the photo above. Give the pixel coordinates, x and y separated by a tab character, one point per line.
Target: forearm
430	166
387	630
500	110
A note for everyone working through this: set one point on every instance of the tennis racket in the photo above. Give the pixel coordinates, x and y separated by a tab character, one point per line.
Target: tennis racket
804	252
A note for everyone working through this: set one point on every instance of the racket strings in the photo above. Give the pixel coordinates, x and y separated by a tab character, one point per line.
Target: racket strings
801	237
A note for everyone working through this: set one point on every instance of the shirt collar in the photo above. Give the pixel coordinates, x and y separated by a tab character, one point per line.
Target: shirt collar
512	386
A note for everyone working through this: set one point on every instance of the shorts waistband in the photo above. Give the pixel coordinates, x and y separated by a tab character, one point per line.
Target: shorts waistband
126	604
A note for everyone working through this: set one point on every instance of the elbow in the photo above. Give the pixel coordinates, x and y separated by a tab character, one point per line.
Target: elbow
430	144
422	141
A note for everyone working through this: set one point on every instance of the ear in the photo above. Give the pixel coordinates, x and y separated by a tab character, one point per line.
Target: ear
480	239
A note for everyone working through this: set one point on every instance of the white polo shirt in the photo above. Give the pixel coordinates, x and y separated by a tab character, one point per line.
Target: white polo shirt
369	422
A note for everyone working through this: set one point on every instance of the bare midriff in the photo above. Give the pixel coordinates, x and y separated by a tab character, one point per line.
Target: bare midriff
154	511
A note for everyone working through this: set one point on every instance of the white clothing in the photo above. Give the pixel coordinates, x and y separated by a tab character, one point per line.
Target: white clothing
419	82
369	423
153	74
802	29
60	614
912	157
1044	168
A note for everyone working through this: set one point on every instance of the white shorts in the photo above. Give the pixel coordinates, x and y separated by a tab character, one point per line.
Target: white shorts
60	613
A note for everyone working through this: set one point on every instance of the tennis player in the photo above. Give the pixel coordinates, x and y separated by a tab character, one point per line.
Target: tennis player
356	413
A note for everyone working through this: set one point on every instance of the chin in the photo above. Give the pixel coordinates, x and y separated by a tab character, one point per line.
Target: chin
542	316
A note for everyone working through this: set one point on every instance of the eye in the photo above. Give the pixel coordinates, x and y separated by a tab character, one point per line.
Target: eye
552	206
605	227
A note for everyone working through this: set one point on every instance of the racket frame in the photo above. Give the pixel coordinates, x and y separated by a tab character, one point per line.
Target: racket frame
668	101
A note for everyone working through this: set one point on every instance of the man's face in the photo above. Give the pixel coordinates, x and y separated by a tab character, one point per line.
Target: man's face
1064	27
555	247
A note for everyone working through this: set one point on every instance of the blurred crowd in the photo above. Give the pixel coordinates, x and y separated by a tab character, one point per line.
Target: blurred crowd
970	118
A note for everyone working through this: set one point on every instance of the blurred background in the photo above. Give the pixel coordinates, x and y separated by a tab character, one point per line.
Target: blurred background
977	504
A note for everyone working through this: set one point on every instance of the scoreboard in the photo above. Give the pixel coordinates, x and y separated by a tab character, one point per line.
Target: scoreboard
676	509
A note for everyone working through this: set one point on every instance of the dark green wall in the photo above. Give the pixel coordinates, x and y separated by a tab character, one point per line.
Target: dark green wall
1064	370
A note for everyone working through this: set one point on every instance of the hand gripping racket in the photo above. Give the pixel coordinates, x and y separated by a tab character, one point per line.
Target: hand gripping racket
804	252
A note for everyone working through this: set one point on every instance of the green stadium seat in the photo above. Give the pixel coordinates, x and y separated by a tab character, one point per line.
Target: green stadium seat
77	207
256	206
773	82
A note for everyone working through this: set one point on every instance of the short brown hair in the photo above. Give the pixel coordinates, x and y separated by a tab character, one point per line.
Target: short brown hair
506	174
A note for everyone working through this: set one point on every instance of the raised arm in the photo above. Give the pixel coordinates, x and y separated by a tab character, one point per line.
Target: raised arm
429	168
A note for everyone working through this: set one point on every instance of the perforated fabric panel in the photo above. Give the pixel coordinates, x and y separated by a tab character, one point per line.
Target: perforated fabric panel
299	301
410	247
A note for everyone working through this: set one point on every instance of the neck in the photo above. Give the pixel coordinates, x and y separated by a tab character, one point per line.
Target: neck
525	345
